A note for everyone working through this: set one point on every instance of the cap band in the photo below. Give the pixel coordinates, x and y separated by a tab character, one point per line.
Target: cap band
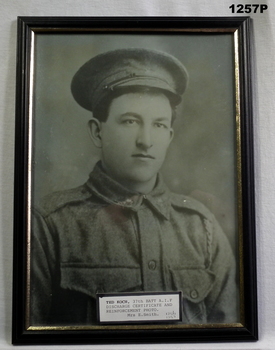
132	80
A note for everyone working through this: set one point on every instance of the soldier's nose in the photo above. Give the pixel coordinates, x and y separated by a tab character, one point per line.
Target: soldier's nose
144	139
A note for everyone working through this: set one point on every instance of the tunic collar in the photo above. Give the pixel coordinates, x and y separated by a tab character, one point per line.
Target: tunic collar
112	192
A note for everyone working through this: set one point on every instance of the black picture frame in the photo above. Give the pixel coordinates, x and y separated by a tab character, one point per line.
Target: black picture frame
240	28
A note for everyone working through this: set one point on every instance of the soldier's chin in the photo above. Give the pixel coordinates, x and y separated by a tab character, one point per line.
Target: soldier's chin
142	177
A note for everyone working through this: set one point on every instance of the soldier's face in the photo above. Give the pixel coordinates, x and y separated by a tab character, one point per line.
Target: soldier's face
135	138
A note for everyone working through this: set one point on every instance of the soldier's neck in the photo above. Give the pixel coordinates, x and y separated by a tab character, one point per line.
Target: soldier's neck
140	187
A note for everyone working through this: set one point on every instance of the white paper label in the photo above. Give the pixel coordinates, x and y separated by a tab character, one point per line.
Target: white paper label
138	308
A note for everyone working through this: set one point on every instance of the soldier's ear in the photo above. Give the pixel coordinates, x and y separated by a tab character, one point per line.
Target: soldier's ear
171	134
95	131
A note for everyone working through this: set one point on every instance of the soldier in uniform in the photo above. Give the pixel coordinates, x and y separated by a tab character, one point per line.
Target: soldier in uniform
123	230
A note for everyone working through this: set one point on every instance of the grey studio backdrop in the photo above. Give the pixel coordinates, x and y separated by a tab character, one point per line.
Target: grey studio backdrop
201	160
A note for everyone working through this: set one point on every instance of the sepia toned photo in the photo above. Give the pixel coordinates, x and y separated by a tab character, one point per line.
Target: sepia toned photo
134	180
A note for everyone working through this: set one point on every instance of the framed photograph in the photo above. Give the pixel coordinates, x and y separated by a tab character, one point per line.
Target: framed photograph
134	189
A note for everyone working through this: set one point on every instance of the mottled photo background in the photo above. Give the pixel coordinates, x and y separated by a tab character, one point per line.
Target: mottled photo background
201	161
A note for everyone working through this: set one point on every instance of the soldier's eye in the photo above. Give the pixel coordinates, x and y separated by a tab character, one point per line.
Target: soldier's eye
129	121
161	125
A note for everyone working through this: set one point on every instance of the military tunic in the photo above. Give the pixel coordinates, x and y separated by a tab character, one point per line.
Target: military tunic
101	237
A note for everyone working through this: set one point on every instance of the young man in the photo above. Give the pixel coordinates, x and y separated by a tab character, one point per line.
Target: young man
123	230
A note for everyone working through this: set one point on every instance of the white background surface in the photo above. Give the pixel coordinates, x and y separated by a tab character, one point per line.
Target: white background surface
264	125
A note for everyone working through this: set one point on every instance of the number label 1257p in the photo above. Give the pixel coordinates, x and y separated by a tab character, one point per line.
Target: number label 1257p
248	8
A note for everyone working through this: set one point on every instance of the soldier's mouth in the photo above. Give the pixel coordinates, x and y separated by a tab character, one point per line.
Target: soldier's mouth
143	156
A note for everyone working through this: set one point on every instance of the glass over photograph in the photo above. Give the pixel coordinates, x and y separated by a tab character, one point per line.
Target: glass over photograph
134	177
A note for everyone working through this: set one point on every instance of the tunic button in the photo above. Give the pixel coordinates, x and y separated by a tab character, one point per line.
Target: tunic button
194	294
152	264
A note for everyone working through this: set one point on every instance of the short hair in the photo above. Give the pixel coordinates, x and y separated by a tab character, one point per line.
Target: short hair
101	112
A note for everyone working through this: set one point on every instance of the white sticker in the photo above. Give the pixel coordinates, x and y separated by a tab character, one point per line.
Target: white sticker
139	307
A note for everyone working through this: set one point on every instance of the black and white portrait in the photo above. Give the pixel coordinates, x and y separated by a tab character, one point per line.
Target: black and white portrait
134	174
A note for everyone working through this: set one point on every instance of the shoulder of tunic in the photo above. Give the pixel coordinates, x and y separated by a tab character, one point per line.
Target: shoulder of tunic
58	200
183	202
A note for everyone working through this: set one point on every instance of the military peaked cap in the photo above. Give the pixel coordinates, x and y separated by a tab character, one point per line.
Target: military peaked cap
128	68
